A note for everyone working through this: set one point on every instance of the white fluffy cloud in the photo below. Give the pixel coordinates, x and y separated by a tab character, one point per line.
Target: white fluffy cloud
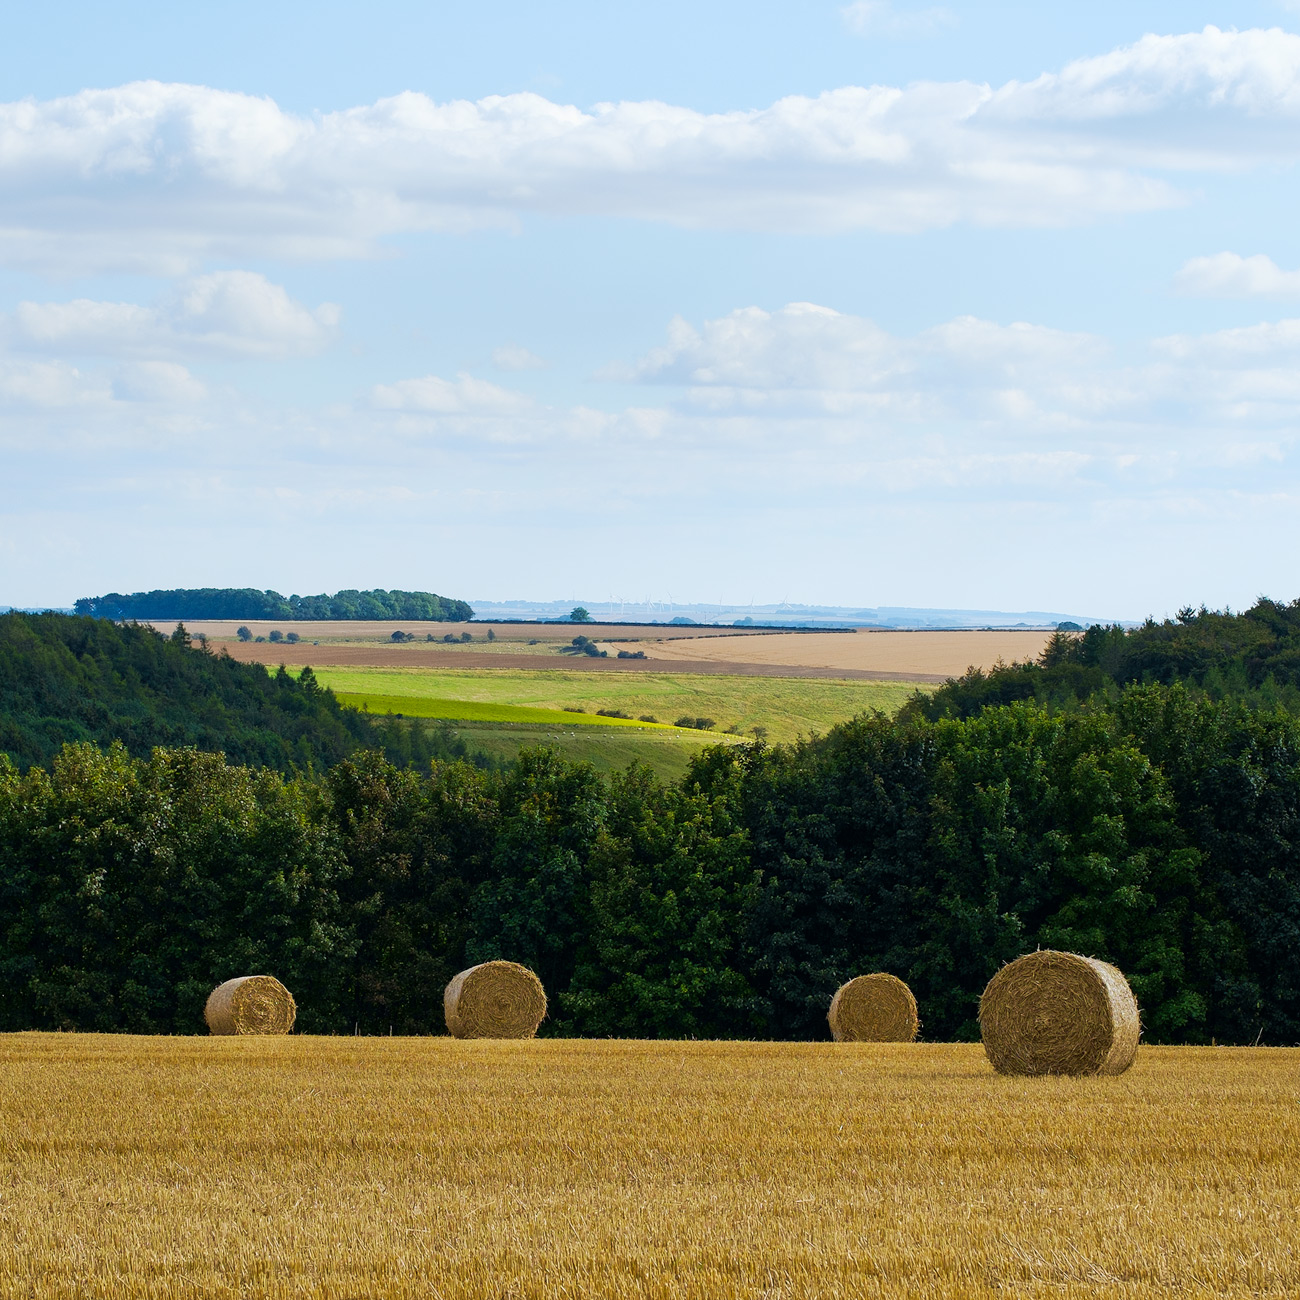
156	177
994	381
226	313
69	392
1229	275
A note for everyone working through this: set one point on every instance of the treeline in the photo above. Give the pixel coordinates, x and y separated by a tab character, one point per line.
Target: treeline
1253	656
65	679
1160	832
249	603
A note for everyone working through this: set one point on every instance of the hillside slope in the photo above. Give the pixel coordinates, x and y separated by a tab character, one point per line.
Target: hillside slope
65	678
1253	656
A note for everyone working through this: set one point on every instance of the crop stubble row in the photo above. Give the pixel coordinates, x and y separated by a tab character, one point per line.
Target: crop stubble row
133	1167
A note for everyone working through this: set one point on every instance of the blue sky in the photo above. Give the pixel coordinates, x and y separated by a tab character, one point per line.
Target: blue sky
963	305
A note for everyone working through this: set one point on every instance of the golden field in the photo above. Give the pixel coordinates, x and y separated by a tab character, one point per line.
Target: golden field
317	1167
928	656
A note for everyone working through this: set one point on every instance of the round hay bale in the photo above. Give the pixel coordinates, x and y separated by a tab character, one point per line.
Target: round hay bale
251	1004
1059	1013
497	999
875	1008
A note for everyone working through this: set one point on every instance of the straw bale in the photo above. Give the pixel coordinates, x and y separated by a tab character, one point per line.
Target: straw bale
497	999
1058	1013
250	1004
875	1008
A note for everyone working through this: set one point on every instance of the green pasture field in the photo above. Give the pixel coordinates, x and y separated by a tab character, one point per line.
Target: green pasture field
502	730
419	706
785	707
665	750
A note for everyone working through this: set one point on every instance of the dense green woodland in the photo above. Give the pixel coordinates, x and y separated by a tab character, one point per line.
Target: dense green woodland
65	678
1159	832
1107	811
1254	656
248	602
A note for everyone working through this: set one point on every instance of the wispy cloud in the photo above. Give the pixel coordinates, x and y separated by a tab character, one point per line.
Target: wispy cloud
157	381
226	313
463	395
1229	275
851	447
881	18
511	357
996	382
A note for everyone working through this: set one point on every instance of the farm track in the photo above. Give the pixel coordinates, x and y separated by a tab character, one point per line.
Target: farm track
340	1167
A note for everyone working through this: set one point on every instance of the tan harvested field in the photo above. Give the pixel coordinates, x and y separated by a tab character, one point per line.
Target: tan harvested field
933	654
862	655
301	1167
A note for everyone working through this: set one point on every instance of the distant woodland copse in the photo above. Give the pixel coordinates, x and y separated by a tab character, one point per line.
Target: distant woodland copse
248	602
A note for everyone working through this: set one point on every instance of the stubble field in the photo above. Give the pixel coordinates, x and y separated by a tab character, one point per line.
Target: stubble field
300	1167
863	654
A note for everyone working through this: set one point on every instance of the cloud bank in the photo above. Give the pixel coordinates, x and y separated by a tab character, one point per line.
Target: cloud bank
850	450
980	380
157	177
225	314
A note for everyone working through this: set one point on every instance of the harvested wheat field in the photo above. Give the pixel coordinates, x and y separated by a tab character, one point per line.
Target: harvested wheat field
301	1167
861	653
925	656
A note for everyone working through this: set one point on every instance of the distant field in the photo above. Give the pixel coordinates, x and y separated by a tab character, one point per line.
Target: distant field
667	751
929	657
325	1168
784	707
940	654
419	706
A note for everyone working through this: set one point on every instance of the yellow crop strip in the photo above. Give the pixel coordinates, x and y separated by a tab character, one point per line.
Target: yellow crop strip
301	1167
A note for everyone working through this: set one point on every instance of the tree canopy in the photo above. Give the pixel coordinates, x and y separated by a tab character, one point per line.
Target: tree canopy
248	602
66	678
1161	833
1253	656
